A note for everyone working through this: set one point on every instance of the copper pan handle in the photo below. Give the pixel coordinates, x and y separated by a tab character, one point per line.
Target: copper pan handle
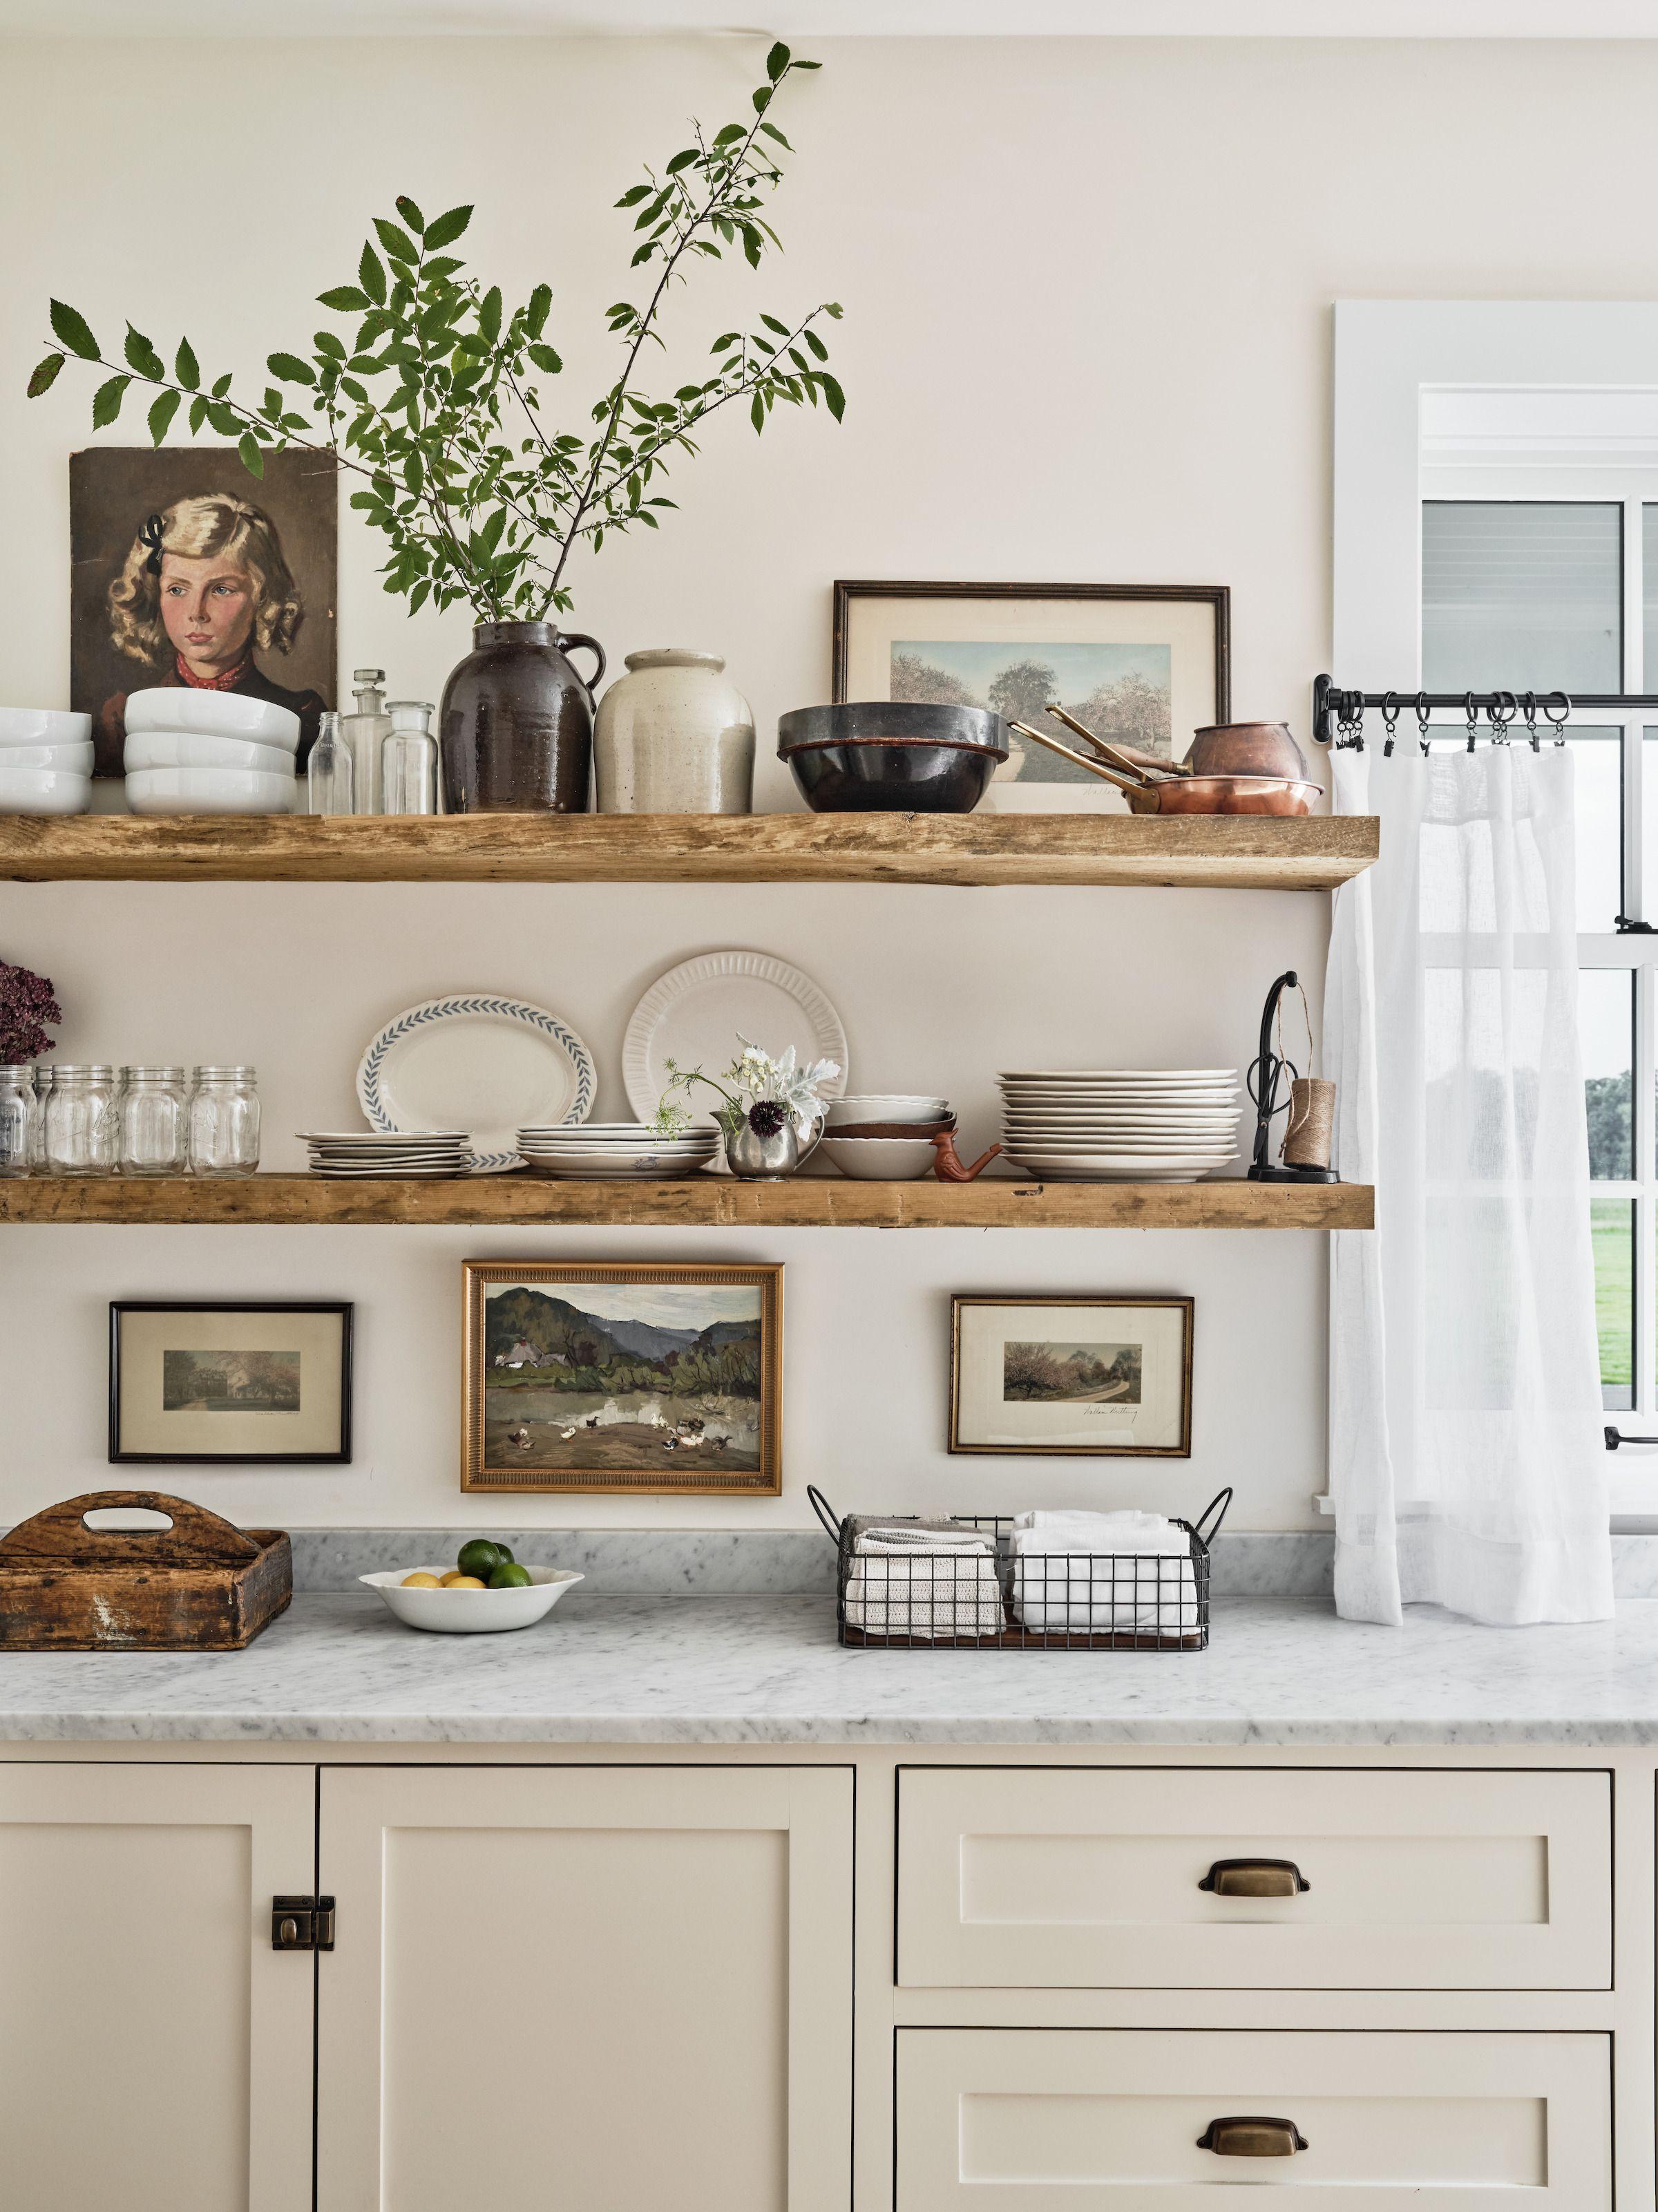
1079	760
1115	754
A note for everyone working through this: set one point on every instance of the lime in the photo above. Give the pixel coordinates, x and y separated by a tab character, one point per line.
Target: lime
505	1551
479	1558
510	1576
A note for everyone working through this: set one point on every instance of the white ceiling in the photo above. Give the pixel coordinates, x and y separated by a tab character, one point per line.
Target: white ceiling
1365	18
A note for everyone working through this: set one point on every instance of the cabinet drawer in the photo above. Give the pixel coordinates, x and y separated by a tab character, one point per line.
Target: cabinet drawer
1010	2121
1095	1879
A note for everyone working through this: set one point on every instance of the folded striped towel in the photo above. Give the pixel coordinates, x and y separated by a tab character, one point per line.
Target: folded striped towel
929	1582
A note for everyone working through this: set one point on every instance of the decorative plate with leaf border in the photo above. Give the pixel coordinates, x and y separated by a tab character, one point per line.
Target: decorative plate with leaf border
479	1062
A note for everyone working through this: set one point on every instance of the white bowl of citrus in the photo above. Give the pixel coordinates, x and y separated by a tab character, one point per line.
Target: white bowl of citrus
486	1589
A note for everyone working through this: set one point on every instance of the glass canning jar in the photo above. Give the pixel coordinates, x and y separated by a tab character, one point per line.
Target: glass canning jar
80	1121
155	1122
224	1121
19	1118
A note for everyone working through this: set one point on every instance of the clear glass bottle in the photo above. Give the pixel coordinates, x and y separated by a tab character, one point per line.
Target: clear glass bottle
409	760
81	1121
329	773
154	1118
224	1121
19	1114
365	732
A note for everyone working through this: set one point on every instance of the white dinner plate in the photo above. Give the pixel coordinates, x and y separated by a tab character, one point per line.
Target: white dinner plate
1116	1075
695	1012
1119	1164
492	1065
651	1167
214	713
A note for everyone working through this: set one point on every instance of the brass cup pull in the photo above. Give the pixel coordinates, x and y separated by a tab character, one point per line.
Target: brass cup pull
1255	1878
1247	2136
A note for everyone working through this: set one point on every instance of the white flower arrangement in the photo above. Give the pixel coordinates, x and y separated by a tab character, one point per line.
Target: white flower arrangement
756	1080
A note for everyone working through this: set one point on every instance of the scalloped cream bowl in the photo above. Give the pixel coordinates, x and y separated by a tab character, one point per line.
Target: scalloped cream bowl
471	1612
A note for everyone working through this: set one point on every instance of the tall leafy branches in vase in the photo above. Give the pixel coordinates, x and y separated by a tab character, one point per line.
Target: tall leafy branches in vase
437	396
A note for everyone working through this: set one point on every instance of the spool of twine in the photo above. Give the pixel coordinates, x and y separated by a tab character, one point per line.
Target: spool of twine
1311	1124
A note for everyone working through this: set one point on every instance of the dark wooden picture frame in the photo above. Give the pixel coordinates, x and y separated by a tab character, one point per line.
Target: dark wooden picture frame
1218	597
120	1308
1187	1308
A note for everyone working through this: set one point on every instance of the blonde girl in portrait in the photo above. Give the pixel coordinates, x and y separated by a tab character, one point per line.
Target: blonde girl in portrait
204	588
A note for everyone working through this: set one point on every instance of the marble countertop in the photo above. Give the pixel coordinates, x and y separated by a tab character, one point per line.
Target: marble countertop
337	1669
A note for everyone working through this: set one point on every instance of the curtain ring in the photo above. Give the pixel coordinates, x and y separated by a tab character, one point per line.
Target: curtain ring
1499	720
1531	719
1558	722
1472	714
1389	722
1422	722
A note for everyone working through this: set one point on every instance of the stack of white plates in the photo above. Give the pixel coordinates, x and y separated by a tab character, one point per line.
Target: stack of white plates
46	761
209	752
414	1156
606	1149
1128	1125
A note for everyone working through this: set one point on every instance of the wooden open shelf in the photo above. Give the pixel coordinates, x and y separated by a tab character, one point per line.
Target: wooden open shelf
699	1201
1217	852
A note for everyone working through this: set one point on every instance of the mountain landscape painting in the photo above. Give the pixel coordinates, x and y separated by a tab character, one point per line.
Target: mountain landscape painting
640	1384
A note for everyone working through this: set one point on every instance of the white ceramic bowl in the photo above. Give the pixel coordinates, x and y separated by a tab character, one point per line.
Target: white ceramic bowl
885	1106
213	714
473	1613
209	791
71	759
43	790
43	725
880	1159
192	749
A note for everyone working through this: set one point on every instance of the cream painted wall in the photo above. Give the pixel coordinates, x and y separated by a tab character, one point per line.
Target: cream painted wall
1087	289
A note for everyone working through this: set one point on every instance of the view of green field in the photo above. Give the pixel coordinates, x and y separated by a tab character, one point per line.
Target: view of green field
1614	1288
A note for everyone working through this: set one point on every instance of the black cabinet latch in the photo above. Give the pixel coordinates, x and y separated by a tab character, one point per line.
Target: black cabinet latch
301	1923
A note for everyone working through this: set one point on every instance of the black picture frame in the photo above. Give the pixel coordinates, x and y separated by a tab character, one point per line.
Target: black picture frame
119	1307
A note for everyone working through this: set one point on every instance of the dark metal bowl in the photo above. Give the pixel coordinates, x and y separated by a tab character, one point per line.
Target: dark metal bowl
892	757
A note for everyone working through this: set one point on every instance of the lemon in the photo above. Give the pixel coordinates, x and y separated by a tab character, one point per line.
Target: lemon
479	1558
510	1576
462	1582
420	1580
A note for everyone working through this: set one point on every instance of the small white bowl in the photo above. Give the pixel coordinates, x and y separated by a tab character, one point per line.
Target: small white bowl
473	1613
43	790
885	1106
209	791
881	1159
43	725
147	749
213	714
69	759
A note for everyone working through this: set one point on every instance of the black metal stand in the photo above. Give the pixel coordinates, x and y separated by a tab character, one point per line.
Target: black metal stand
1265	1075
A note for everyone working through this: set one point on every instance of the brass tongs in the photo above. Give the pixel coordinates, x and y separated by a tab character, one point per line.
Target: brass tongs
1135	762
1129	777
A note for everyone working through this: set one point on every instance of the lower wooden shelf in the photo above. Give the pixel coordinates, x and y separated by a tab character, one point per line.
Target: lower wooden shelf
699	1201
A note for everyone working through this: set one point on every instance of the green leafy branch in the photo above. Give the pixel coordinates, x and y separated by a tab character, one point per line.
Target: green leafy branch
435	398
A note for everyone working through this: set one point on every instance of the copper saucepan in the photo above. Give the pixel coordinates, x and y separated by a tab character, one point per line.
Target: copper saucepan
1163	794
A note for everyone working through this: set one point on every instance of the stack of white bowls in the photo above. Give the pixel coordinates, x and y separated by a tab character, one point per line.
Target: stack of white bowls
903	1156
1119	1125
209	752
46	761
603	1150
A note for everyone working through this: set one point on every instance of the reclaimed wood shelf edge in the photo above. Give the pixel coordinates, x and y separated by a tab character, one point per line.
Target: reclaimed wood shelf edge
1310	853
697	1201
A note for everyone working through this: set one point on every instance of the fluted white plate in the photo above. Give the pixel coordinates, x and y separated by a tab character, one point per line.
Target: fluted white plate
695	1013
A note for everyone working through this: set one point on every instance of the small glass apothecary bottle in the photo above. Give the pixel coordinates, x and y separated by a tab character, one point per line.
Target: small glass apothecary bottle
154	1121
79	1121
224	1121
409	760
19	1120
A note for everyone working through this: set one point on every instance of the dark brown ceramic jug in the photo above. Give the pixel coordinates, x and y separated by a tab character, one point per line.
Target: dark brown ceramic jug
517	723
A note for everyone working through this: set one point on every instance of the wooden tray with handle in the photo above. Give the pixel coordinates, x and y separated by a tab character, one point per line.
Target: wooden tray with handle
197	1585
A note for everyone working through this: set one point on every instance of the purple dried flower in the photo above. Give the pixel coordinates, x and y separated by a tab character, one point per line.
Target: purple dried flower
766	1117
26	1003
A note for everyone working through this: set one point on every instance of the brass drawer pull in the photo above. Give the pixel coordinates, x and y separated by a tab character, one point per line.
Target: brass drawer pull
1246	2136
1255	1878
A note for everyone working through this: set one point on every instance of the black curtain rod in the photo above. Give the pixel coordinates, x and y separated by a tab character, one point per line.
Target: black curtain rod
1335	709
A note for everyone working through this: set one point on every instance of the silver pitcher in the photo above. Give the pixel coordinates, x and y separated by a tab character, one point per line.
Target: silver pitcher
768	1159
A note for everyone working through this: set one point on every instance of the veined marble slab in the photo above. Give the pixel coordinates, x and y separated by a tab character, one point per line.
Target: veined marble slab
337	1669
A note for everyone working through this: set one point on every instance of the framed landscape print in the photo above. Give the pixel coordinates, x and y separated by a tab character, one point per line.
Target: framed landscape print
1094	1375
1142	665
230	1383
645	1379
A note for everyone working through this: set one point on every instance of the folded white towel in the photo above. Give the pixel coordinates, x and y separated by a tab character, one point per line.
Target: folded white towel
923	1582
1103	1573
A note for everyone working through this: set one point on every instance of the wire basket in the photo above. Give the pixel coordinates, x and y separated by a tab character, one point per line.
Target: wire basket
961	1597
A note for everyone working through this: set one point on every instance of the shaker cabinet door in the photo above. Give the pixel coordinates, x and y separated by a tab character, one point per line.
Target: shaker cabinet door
604	1988
154	2051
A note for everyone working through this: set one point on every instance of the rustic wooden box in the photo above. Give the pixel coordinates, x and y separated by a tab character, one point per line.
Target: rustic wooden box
201	1585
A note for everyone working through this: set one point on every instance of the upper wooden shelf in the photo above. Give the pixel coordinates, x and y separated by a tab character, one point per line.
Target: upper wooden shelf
1222	852
698	1201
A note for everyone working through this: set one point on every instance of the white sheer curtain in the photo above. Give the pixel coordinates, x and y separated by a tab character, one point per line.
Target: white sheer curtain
1466	1463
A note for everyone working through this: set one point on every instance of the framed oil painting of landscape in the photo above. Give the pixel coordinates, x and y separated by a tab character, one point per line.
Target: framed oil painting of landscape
230	1384
643	1380
1141	665
1093	1376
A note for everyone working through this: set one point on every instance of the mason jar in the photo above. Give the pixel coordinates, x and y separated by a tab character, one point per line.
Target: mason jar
224	1121
155	1122
81	1130
18	1119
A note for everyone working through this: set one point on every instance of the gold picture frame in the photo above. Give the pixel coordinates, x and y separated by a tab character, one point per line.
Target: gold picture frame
655	1378
1076	1401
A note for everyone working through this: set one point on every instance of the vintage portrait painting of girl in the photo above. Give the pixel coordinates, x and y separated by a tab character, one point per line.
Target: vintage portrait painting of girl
204	596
